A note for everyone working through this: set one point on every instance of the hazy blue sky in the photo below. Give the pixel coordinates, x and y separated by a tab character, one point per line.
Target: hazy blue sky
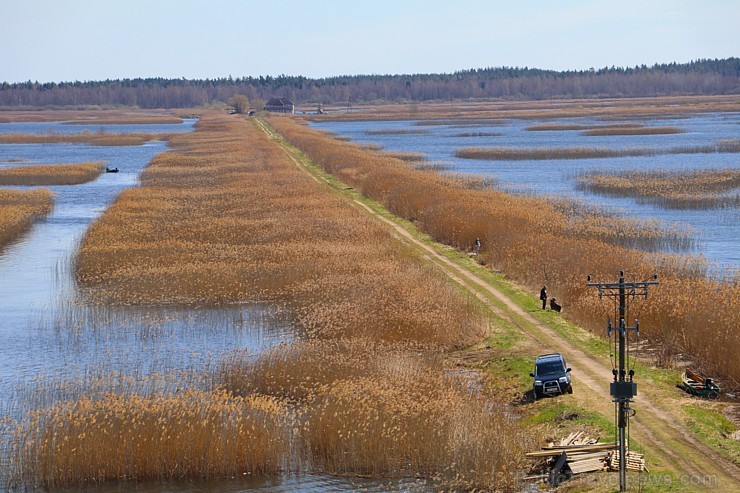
65	40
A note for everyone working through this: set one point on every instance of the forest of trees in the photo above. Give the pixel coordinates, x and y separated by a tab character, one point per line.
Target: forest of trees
700	77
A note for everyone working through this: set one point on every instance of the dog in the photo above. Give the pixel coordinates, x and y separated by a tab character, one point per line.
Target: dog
554	305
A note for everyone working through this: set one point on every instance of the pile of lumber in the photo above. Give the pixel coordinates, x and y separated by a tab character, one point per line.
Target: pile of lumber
584	454
635	461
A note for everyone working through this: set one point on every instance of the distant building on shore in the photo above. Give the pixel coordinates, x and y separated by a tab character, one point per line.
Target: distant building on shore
280	105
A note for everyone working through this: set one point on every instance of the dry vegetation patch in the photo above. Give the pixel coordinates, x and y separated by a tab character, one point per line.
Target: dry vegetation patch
584	152
19	209
51	174
674	189
92	138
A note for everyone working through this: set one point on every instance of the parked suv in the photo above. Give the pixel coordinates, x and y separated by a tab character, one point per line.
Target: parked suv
551	375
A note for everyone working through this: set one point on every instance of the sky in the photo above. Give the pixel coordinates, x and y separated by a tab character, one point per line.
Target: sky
70	40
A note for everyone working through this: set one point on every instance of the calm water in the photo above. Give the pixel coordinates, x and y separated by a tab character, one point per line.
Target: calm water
717	232
46	335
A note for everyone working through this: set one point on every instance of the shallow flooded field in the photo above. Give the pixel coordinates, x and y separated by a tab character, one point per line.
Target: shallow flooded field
716	231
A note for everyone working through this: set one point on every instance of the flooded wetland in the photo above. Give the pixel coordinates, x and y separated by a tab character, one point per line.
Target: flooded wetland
201	318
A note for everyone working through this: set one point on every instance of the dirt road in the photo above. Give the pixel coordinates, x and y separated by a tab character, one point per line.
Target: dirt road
656	426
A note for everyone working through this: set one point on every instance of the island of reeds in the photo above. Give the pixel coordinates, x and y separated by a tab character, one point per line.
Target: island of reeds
587	152
19	209
51	174
92	138
706	189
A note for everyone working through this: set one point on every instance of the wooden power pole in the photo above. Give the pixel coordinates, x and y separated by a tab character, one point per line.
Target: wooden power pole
622	389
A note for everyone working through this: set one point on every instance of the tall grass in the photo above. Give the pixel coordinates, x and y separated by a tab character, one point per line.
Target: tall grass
675	189
92	138
379	410
193	434
19	209
228	217
633	131
536	242
546	153
51	174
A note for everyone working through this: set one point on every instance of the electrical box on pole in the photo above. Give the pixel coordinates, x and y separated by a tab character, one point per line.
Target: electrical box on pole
622	389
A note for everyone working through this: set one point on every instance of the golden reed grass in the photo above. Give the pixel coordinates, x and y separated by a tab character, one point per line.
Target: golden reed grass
19	209
110	116
193	434
228	217
676	189
92	138
594	132
584	152
537	242
379	409
51	174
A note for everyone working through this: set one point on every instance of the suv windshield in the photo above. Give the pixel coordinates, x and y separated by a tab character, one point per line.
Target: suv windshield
547	368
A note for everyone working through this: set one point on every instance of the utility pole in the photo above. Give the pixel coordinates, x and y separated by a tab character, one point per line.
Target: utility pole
623	389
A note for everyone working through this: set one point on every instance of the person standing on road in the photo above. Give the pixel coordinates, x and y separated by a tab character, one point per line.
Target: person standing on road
543	296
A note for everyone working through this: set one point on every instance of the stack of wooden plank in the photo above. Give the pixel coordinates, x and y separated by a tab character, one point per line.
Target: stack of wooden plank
635	461
584	454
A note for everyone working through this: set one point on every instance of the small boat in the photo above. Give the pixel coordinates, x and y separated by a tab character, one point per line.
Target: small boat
699	386
111	170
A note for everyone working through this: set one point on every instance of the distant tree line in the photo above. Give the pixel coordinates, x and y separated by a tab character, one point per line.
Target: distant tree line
700	77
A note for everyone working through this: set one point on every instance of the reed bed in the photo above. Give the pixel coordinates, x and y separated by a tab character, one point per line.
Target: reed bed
547	153
51	174
396	131
382	409
600	132
477	134
194	434
19	209
536	242
704	189
127	120
228	217
87	116
409	157
92	138
576	126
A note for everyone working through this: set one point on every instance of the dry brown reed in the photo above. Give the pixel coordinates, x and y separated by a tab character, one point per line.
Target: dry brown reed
535	242
380	409
193	434
409	157
88	116
547	153
477	134
126	120
92	138
228	217
617	130
19	209
235	221
681	190
51	174
396	131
